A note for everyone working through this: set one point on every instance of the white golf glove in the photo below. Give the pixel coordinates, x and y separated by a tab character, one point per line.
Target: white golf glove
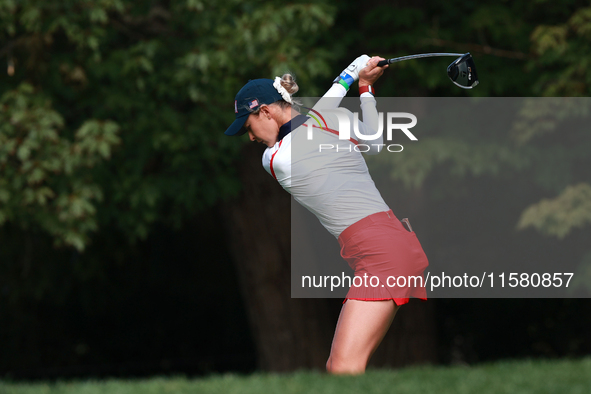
351	73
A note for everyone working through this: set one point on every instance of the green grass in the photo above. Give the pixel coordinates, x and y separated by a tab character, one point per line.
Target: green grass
531	376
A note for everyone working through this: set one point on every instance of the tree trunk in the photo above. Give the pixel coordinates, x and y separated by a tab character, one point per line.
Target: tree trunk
289	333
411	339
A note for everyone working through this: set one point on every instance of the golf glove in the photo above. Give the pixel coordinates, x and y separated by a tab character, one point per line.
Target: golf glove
351	73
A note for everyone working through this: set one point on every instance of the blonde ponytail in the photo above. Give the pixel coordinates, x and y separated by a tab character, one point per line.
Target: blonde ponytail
289	83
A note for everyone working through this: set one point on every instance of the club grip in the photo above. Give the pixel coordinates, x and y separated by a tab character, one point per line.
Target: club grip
382	63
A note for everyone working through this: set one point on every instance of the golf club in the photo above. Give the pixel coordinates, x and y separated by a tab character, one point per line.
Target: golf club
461	71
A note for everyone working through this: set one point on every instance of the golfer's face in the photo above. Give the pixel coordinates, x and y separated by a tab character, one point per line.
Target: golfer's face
262	129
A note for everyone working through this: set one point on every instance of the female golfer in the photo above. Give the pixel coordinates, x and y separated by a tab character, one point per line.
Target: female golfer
335	185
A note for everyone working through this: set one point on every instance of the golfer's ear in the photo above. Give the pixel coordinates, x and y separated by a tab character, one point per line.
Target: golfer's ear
264	111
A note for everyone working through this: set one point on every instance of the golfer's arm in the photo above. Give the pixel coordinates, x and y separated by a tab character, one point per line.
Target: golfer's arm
370	124
332	98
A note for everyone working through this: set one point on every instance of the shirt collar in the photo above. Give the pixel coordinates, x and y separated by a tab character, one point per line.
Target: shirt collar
291	125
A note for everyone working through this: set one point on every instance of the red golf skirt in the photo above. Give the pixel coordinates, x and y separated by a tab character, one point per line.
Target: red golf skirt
388	260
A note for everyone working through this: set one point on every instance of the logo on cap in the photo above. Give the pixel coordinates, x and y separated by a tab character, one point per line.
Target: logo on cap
253	104
235	106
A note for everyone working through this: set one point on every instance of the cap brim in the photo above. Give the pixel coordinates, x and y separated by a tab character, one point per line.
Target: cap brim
237	127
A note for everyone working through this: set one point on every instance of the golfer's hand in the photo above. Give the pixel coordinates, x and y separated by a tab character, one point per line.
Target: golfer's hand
351	73
371	73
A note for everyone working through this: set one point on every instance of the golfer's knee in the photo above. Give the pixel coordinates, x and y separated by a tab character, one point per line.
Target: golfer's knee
340	366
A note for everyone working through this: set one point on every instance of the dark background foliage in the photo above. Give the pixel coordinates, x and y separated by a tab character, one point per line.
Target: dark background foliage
117	184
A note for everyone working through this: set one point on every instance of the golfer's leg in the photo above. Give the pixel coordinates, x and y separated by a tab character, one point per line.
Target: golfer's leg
360	329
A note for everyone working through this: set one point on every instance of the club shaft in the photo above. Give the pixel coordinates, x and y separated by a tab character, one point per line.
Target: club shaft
420	55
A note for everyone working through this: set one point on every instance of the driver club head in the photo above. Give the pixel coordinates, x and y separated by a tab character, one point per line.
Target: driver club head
462	72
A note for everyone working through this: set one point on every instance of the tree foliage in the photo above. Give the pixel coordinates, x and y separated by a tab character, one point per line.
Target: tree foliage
563	51
44	182
558	216
138	95
164	74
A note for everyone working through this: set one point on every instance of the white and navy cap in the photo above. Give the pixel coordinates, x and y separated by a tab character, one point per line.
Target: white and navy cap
252	95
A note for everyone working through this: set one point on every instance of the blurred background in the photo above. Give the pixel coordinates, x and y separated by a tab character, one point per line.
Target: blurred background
136	239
